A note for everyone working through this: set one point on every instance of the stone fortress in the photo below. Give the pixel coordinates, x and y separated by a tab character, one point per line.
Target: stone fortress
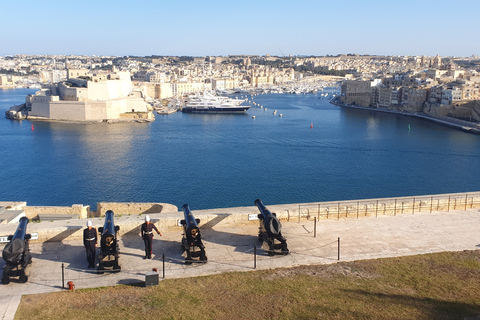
88	96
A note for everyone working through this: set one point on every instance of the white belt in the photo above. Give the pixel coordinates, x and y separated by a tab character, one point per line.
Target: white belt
90	239
149	232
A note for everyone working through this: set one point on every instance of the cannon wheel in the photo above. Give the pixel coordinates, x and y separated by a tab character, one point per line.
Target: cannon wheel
188	258
100	269
23	277
203	257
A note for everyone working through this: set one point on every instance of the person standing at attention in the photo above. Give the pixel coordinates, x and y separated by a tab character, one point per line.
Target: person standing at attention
147	235
90	243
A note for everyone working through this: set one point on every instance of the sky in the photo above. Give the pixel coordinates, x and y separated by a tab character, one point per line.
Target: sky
253	27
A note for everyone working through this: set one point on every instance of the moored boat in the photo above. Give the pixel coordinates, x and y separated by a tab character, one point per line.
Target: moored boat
208	103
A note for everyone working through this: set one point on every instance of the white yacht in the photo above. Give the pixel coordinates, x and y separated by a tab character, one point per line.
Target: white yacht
209	103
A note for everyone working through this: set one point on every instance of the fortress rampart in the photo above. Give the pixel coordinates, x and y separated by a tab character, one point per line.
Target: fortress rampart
129	216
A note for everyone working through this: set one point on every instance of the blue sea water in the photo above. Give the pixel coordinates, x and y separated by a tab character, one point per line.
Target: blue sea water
314	152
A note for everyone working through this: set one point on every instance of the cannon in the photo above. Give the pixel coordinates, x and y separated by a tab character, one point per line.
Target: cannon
270	231
109	249
192	240
17	254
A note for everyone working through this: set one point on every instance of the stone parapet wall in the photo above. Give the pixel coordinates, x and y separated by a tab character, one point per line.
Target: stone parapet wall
130	216
33	212
13	205
129	208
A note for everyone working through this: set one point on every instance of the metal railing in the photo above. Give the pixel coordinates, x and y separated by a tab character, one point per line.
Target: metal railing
385	206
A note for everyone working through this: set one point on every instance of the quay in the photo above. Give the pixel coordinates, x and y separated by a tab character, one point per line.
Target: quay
368	229
448	121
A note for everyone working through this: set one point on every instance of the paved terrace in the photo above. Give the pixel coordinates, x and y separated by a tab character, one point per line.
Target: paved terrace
229	247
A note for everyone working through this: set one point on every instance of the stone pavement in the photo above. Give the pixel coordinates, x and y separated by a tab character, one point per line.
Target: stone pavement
231	249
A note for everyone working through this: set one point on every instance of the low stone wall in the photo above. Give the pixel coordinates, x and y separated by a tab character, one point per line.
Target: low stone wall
82	211
126	208
130	216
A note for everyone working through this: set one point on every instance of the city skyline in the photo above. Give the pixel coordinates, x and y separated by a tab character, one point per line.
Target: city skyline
216	28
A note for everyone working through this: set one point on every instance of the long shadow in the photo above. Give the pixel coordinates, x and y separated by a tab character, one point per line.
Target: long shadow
132	282
171	249
242	242
431	308
55	250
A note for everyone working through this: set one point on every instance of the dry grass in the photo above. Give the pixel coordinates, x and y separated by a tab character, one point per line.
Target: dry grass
433	286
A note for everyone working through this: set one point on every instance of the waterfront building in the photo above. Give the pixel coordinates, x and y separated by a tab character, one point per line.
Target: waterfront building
413	98
451	95
5	81
184	88
388	96
359	92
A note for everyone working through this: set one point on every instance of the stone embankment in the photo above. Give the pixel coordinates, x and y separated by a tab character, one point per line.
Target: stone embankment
463	125
129	216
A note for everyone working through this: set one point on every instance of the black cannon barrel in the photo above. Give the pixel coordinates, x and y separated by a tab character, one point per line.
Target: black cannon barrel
109	225
270	221
191	224
189	218
192	241
109	249
21	232
108	241
265	212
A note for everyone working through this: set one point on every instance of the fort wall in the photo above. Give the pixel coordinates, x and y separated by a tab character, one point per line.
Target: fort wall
130	216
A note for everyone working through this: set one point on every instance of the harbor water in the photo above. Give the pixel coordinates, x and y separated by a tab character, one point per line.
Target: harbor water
307	151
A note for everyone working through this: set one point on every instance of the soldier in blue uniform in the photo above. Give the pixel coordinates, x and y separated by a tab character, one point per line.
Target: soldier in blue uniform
147	235
90	243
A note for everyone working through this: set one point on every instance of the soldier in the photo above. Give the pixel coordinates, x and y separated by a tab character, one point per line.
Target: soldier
90	242
147	235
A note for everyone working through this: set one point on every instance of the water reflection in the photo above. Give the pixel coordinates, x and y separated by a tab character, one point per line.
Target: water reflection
372	128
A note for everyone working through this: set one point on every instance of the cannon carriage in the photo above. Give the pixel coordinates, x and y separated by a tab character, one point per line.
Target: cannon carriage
17	254
270	231
192	241
109	249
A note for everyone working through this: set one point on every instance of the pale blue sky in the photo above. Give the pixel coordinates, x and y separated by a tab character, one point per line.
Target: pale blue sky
219	28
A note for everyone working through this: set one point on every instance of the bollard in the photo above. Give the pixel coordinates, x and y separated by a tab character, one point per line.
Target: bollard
63	276
338	248
254	257
315	227
163	265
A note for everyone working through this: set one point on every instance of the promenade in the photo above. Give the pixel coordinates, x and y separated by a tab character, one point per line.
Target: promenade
230	248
